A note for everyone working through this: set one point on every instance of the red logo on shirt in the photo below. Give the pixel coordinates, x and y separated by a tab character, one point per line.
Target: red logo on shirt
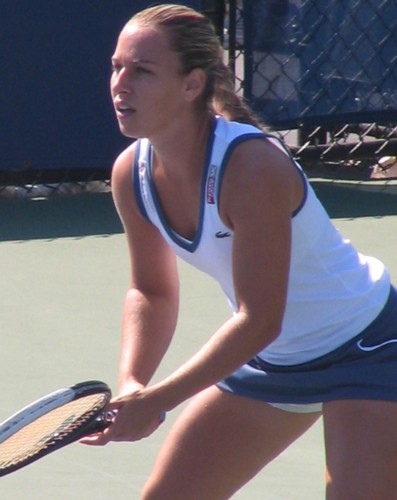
211	185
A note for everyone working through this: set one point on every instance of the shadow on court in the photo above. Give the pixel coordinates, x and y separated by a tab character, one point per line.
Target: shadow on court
356	199
94	213
58	217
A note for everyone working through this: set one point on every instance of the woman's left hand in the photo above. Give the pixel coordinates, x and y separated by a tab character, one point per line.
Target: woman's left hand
135	417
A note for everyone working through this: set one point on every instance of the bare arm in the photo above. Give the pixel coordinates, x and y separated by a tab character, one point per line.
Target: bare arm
151	303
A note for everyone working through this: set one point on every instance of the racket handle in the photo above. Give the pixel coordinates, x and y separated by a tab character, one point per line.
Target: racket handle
106	419
103	421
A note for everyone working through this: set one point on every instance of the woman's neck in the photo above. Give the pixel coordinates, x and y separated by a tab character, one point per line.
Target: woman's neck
186	148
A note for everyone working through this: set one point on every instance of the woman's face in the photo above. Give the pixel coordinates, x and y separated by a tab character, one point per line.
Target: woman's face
146	82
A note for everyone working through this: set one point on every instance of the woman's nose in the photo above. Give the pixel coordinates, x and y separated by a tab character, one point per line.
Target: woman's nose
119	81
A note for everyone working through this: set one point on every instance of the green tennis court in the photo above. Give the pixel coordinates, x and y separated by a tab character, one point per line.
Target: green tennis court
64	271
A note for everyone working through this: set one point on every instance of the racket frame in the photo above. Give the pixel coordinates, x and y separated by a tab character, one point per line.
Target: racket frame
97	421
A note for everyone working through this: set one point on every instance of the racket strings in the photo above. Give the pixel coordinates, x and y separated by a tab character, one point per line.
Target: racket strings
47	430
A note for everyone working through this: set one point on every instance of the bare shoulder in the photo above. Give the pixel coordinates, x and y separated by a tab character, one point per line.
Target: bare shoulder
122	184
122	167
261	157
261	173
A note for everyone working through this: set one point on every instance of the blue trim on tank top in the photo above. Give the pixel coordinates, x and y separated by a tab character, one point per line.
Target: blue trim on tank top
184	243
260	135
136	182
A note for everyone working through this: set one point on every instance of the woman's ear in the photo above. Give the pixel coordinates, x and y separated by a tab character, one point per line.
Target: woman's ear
195	83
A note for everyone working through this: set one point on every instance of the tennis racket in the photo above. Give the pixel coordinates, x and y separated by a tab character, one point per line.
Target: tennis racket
52	422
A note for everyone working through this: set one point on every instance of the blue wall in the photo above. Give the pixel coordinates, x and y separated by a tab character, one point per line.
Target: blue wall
55	106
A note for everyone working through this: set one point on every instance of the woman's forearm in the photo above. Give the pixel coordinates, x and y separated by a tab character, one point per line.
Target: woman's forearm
148	325
235	343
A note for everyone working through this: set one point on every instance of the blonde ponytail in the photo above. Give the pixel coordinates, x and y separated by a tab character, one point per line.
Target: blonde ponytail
226	102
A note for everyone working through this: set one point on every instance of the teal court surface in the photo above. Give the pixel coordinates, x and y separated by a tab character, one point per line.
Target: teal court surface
64	271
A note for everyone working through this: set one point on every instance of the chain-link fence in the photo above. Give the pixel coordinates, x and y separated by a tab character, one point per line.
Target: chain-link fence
328	72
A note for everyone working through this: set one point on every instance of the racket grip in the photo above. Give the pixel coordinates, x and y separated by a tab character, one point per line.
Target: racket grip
106	419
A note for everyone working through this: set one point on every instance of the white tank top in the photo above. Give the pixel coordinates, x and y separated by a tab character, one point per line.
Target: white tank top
334	292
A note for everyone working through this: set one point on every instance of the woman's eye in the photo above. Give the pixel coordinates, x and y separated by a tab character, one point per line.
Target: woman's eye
141	70
115	68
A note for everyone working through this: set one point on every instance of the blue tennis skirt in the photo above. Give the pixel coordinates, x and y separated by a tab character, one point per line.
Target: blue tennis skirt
365	367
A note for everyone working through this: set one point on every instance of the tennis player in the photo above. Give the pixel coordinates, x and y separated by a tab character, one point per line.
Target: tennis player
314	324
